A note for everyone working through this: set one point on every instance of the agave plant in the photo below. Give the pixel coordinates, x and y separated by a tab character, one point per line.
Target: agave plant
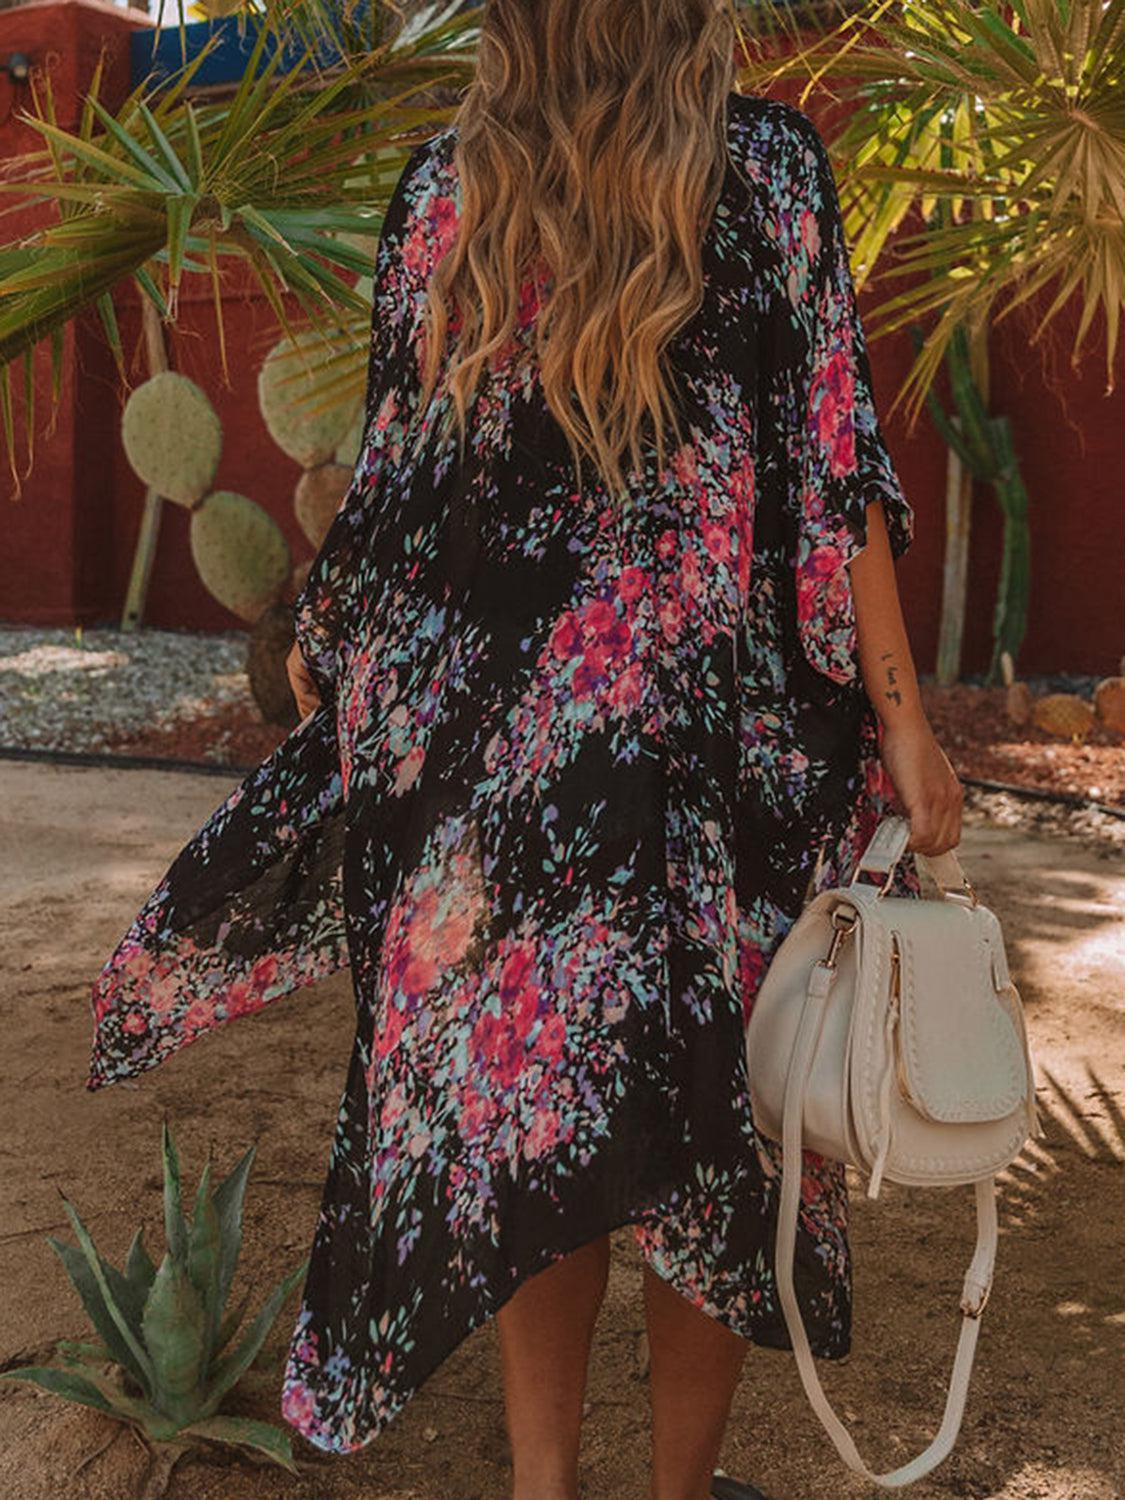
166	1332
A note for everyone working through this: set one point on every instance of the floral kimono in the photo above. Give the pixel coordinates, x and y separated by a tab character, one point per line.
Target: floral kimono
574	773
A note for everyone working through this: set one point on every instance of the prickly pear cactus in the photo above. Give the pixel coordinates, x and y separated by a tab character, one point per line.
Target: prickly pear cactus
172	437
347	450
317	499
240	552
270	643
1063	714
1109	703
1018	701
285	383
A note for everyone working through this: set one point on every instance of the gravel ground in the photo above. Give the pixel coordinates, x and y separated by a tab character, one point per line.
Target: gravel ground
65	689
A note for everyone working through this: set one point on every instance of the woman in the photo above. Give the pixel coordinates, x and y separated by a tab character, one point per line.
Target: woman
603	672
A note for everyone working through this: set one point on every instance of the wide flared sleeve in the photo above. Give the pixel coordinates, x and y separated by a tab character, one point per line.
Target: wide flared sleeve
322	607
844	463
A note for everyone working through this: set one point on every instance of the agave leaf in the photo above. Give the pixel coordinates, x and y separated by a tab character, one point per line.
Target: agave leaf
203	1259
139	1267
230	1370
228	1199
247	1433
115	1299
174	1328
65	1383
175	1228
76	1353
229	1326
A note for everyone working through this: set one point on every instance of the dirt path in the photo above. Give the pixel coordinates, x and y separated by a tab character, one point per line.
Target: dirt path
1046	1411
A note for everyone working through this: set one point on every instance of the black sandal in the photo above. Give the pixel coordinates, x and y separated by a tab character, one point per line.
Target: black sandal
725	1488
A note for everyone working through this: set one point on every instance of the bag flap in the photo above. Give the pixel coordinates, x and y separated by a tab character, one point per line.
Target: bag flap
961	1055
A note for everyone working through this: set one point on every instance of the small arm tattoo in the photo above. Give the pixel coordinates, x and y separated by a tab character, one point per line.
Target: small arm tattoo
892	692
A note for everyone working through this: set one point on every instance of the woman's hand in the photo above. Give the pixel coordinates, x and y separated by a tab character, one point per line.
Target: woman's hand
304	689
925	783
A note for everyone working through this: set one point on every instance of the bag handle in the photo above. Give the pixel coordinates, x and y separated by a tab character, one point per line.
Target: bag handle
974	1293
888	844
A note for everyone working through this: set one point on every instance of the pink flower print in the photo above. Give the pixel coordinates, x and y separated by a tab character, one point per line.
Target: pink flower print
197	1016
599	615
823	564
617	639
685	466
542	1135
566	638
394	1107
584	681
297	1404
134	1023
420	974
476	1112
631	584
627	690
526	1009
265	971
387	1036
552	1034
596	657
671	619
716	541
444	221
690	574
139	964
832	398
666	543
409	768
387	412
810	232
165	991
751	965
241	997
516	971
434	229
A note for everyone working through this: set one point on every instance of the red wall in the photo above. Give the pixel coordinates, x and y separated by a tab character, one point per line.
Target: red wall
68	542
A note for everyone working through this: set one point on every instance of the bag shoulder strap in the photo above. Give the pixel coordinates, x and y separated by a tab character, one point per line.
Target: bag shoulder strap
974	1295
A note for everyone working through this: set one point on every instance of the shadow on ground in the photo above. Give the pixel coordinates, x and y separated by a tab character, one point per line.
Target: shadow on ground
1045	1410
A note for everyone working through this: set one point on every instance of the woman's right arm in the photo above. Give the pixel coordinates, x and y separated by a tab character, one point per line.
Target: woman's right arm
924	781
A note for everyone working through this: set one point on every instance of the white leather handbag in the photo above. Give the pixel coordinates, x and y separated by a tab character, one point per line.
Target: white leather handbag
887	1033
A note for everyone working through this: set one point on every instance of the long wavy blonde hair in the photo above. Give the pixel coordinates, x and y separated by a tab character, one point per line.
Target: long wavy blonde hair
590	149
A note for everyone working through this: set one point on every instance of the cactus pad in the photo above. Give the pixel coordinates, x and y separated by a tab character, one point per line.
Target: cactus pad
317	499
172	437
298	422
1109	703
1063	714
240	552
1018	702
348	449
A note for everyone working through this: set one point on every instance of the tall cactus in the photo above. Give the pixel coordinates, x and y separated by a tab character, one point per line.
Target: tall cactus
984	445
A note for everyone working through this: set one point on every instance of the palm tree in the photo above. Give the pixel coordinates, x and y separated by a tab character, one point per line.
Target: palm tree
1002	126
287	175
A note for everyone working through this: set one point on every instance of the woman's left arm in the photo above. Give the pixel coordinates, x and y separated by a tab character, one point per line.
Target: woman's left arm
923	778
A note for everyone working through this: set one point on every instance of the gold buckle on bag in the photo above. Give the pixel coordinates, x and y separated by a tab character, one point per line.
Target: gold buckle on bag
843	923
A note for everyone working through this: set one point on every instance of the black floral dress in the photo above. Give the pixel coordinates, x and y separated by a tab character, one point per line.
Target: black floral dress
574	774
